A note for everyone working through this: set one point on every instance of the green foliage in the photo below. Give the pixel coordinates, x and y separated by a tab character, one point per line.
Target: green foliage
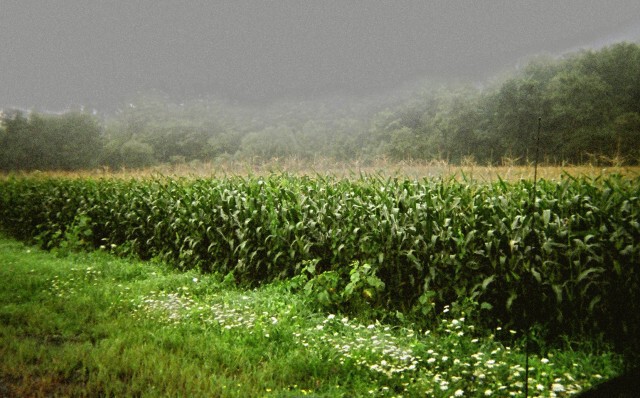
626	127
76	237
49	142
90	324
137	154
588	102
324	289
568	263
333	291
364	287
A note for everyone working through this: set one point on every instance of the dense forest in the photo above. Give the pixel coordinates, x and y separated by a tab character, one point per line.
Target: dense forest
589	102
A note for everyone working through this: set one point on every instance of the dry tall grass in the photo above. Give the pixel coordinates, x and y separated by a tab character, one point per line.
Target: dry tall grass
329	167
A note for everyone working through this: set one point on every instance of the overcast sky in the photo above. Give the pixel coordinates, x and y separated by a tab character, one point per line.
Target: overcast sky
60	53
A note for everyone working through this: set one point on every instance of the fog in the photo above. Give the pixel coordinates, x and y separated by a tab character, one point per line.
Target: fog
61	54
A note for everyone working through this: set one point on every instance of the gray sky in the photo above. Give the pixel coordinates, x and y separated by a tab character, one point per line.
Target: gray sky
60	53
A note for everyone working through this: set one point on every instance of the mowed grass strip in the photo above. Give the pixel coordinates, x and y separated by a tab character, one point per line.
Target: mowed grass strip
89	324
85	325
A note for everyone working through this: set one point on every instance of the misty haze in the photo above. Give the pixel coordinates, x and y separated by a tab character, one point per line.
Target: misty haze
328	198
152	83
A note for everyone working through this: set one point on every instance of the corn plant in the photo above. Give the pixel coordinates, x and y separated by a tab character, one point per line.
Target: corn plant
570	261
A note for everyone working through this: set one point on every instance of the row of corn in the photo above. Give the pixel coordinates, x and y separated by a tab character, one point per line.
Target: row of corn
566	256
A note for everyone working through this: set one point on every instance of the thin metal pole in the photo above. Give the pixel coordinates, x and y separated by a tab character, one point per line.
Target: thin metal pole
535	164
532	200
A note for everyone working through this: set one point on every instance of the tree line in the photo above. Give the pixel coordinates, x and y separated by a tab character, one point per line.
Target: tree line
589	102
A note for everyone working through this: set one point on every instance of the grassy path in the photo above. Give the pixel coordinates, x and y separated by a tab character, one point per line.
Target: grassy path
89	324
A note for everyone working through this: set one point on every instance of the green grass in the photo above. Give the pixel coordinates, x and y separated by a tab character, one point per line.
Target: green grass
90	324
413	246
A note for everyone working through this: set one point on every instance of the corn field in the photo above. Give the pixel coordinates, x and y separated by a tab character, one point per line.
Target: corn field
569	261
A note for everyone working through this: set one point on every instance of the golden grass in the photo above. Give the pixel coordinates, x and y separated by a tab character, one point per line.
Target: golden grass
329	167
